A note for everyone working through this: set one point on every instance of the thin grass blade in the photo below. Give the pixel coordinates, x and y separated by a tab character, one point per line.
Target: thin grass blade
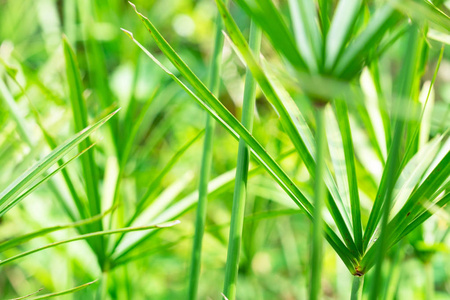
11	204
23	181
89	235
10	243
66	292
89	166
344	127
80	115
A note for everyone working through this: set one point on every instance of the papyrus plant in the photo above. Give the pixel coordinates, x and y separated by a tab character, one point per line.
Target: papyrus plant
327	49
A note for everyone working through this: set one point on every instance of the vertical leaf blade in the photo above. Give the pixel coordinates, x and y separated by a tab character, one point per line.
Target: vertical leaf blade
88	163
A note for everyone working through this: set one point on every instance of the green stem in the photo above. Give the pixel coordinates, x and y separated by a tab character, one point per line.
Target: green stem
103	287
240	188
214	83
429	281
201	209
357	288
319	191
393	279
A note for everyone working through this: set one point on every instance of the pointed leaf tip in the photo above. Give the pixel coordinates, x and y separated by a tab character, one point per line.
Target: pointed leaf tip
113	113
138	13
168	224
129	33
132	5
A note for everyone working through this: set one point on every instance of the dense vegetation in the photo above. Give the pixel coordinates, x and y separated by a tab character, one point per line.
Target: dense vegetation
255	149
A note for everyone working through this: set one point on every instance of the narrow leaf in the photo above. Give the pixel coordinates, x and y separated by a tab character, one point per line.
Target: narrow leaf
69	291
23	181
89	235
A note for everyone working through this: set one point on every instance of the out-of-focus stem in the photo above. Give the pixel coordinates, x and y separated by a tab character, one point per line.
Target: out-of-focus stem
240	188
319	191
205	169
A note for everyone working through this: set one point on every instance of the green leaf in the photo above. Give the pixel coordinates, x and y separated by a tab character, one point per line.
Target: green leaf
65	292
146	251
382	103
16	114
14	242
301	38
431	210
324	14
149	215
371	116
419	126
16	201
97	64
412	207
22	182
174	211
144	206
439	36
337	156
334	203
89	235
216	185
88	163
413	172
353	56
292	122
401	108
369	258
80	115
153	187
307	33
29	295
422	10
344	127
276	30
341	29
221	114
24	132
137	124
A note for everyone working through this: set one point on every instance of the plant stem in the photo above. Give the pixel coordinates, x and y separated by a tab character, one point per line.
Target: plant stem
201	208
214	83
357	288
240	188
393	279
429	280
319	191
103	287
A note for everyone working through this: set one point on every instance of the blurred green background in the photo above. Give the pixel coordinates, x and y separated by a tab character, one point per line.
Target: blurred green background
115	73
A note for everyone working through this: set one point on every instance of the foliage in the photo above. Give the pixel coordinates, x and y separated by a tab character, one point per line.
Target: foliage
343	136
